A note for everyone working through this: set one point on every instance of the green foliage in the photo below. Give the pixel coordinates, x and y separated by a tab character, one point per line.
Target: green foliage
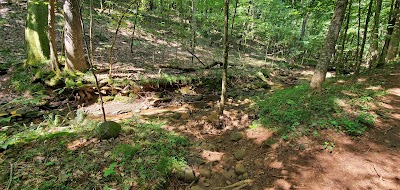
297	111
152	153
110	170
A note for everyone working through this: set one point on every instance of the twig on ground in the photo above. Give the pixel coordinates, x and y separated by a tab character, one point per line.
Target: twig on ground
11	176
190	185
379	175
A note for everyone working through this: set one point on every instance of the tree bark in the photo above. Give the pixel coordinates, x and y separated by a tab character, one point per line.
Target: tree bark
37	41
305	20
74	52
342	59
390	28
394	42
329	45
225	63
375	34
55	65
364	39
193	45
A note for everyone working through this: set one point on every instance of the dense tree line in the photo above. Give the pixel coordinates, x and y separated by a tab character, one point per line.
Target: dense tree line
350	35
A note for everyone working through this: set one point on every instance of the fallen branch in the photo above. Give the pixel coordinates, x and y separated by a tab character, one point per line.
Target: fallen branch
237	186
167	66
195	57
213	65
11	176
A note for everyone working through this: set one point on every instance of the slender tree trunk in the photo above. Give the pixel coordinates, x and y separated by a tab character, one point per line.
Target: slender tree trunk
233	17
364	39
375	34
37	41
134	24
225	64
305	20
52	37
394	42
74	52
390	28
193	29
341	61
329	45
358	36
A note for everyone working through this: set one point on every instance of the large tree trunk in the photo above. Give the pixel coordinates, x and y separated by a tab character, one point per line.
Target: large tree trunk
225	64
390	28
52	36
375	34
74	53
329	45
394	42
37	41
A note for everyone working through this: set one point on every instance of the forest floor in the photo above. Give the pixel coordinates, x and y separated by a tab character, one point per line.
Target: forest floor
238	153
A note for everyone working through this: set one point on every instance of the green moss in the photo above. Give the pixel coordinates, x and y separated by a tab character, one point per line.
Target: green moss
108	129
37	42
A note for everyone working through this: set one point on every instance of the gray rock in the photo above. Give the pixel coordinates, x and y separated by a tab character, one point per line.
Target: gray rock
108	129
240	169
239	154
185	174
236	136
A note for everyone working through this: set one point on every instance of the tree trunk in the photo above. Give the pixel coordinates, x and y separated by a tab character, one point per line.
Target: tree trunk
329	45
358	36
225	64
364	39
304	22
342	59
52	36
390	28
193	45
375	34
394	42
37	41
74	53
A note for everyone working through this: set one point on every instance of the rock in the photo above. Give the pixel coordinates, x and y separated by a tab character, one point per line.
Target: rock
226	174
108	129
185	174
239	154
236	136
240	169
205	173
246	175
